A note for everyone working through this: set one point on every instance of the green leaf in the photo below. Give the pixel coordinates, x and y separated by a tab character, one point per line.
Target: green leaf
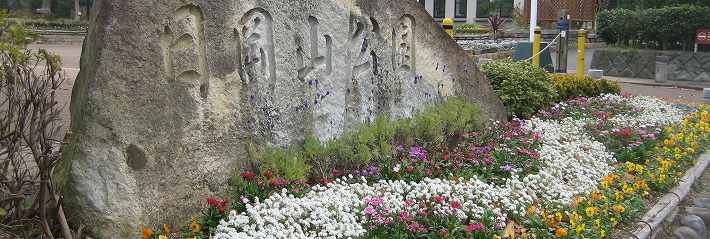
3	212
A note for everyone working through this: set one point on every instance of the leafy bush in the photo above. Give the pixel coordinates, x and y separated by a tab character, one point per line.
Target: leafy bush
661	28
571	86
523	87
441	123
57	24
470	28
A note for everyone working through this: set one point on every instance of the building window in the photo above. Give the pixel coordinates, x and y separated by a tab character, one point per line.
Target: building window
423	2
492	7
460	8
439	8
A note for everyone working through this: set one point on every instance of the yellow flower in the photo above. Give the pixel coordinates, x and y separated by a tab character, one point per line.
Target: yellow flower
147	232
561	232
602	233
599	223
166	228
496	237
531	209
162	237
580	228
619	196
605	184
639	168
613	221
645	193
195	227
558	216
627	189
590	211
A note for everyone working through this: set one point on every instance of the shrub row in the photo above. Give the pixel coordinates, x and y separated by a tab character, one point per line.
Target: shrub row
57	24
441	123
525	88
662	28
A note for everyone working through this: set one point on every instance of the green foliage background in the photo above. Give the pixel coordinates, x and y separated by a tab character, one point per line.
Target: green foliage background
667	28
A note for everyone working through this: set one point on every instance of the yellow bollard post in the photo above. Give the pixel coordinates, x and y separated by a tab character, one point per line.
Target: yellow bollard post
536	47
581	42
448	25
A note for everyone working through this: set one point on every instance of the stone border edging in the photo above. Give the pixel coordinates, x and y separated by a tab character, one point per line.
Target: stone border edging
653	219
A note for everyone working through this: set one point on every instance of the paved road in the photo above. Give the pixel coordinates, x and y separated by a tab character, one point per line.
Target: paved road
693	93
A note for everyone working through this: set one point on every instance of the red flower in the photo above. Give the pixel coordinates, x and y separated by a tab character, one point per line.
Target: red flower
248	176
323	181
268	175
455	205
224	203
221	208
213	202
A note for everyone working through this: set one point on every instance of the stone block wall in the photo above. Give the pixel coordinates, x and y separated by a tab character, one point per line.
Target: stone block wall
683	66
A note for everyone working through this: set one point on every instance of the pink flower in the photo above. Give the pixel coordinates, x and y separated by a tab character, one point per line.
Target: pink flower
371	211
212	202
443	232
455	205
475	227
410	168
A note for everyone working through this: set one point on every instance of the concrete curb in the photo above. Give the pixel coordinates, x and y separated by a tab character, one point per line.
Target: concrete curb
651	222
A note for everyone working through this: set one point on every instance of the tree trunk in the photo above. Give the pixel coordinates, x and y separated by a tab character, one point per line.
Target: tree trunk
77	10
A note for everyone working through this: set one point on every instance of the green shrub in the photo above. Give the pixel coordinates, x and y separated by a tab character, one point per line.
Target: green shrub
441	123
56	24
570	86
661	28
610	87
523	87
469	28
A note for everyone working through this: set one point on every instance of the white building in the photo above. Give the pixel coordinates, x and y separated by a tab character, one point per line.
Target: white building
468	11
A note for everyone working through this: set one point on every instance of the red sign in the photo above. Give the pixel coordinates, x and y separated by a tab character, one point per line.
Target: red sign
701	37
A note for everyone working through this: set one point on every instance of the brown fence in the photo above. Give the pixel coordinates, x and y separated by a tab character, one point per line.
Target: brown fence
580	10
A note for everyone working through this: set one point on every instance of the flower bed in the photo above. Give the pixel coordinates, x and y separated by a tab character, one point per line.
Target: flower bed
573	171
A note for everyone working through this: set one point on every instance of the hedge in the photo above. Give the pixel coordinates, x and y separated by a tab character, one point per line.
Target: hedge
668	28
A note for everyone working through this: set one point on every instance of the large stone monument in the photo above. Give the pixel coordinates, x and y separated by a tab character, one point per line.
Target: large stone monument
170	91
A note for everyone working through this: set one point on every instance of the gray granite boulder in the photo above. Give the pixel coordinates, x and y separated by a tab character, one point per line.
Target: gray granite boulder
696	223
170	92
685	233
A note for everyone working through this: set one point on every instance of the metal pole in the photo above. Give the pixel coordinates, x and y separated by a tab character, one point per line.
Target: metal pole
581	42
536	47
563	28
533	19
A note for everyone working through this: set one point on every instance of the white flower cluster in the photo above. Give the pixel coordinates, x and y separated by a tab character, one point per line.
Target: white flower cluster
650	111
335	211
572	162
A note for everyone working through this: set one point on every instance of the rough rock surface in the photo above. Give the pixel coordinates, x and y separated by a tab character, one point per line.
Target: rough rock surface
170	91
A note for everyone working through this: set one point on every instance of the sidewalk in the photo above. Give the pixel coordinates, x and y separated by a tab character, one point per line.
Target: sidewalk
693	85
